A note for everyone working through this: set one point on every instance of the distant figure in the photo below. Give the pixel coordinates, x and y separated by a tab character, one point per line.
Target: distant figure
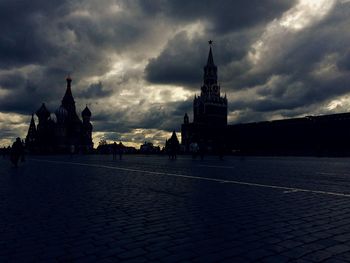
23	159
173	153
72	150
8	150
221	150
202	148
194	149
4	150
17	151
114	151
120	150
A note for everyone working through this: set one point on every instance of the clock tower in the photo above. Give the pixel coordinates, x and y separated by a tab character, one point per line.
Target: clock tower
210	108
209	112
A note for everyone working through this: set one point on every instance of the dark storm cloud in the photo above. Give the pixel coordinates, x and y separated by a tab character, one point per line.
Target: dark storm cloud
158	116
12	81
173	65
224	15
21	38
344	62
182	60
95	90
26	91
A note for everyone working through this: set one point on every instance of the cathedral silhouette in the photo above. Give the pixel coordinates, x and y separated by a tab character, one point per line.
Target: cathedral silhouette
63	131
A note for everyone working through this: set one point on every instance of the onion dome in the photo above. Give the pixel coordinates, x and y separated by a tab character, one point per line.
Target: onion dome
43	112
61	114
53	118
69	79
86	112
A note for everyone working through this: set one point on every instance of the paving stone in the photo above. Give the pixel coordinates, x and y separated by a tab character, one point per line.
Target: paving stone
295	253
334	260
275	259
317	256
338	249
132	253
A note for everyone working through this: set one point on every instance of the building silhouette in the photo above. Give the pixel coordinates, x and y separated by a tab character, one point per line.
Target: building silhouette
327	135
172	146
62	131
209	111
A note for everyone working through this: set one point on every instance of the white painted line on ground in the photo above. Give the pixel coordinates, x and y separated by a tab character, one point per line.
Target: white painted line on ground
290	191
324	173
216	166
286	189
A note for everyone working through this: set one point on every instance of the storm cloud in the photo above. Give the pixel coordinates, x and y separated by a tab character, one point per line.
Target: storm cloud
137	64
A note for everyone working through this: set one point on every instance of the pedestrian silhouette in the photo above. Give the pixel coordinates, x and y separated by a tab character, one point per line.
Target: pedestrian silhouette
120	150
194	148
17	151
221	149
72	150
3	151
114	151
202	149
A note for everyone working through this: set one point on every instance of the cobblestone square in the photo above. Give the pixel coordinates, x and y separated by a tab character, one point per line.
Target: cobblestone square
151	209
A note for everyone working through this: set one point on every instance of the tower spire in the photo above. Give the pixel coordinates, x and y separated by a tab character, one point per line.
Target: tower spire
210	69
32	123
68	101
31	135
210	56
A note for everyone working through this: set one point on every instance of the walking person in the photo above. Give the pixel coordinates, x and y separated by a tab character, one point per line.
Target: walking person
202	149
23	155
114	151
16	151
221	149
3	151
194	149
72	150
120	150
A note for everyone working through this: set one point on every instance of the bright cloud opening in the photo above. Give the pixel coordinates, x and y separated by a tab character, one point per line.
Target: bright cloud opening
279	32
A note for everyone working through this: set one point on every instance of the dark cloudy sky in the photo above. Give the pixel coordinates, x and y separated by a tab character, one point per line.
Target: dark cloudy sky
138	63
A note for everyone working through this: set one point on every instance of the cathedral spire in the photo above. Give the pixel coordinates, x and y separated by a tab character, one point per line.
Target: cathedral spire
32	124
68	101
31	135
